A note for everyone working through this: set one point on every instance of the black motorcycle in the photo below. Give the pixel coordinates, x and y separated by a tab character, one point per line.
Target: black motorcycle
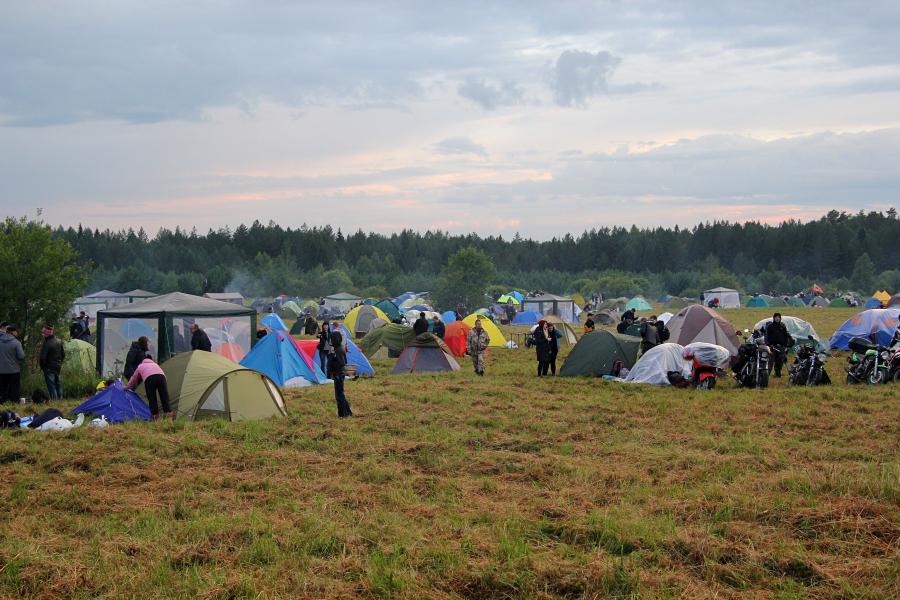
809	366
754	358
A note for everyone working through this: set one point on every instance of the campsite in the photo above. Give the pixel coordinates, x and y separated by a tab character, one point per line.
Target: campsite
448	485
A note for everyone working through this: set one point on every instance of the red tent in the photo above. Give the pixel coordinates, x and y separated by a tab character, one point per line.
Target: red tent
455	337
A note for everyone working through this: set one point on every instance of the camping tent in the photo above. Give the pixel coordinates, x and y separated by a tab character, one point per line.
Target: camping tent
799	329
116	403
448	316
728	298
168	317
507	298
877	325
290	310
796	302
273	322
205	385
579	300
279	357
311	307
757	302
895	301
655	364
604	317
568	334
138	294
698	323
358	319
873	302
426	353
774	300
819	301
392	336
341	302
839	303
664	298
638	303
455	337
529	317
595	353
388	308
550	304
81	357
665	317
497	339
677	302
882	296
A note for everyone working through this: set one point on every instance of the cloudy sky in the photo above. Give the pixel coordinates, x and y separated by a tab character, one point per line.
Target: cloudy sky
495	117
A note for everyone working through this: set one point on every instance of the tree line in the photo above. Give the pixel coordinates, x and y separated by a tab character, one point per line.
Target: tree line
841	250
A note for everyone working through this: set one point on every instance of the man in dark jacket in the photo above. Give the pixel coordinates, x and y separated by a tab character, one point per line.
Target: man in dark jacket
439	329
421	324
76	328
662	331
649	334
199	339
11	357
629	315
778	338
52	356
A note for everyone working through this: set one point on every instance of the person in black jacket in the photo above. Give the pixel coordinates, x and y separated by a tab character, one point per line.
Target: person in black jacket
421	324
778	338
199	339
662	331
52	356
324	346
628	315
553	345
139	350
542	348
439	329
649	334
337	360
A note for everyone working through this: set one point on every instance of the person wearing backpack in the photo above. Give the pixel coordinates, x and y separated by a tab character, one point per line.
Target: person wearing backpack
649	334
663	331
337	360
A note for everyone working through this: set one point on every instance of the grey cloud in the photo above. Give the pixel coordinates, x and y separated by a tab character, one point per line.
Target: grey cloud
490	95
458	145
580	75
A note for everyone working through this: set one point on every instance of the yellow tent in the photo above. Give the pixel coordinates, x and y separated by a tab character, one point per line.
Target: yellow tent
497	339
883	296
579	300
358	320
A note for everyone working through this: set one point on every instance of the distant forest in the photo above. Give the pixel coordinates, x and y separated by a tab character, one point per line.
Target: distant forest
841	251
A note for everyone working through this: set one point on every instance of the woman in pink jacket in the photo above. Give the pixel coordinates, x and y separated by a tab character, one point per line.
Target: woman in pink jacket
154	382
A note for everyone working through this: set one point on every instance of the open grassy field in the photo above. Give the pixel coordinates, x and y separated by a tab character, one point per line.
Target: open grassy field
453	486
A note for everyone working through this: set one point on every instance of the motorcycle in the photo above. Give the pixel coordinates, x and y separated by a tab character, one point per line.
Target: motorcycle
754	357
868	362
894	362
809	366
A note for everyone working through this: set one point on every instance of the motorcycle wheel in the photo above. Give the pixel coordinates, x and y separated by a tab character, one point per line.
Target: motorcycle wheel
707	384
763	379
896	377
876	377
851	380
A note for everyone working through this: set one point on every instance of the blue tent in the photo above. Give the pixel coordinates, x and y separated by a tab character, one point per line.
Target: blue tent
757	302
519	296
872	302
132	329
355	356
388	308
877	325
403	297
273	321
529	317
448	317
277	356
115	403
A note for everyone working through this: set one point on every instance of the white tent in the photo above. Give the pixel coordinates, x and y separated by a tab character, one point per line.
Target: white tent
727	298
653	366
709	354
665	317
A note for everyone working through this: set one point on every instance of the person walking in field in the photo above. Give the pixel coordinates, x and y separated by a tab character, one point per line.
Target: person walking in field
155	385
52	356
477	342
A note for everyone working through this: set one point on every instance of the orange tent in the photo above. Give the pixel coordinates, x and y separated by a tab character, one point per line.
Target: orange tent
232	352
455	337
815	289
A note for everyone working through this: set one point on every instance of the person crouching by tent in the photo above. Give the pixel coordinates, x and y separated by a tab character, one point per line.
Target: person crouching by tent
589	323
324	346
310	327
553	344
477	342
542	348
337	360
155	384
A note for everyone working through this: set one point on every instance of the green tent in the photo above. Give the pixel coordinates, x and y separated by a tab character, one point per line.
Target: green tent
388	308
757	302
775	300
290	310
166	320
392	336
638	303
203	385
595	353
796	302
81	357
677	302
839	303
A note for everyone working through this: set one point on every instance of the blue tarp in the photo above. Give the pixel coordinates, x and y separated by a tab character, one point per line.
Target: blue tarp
115	403
273	321
877	325
529	317
448	317
277	356
355	355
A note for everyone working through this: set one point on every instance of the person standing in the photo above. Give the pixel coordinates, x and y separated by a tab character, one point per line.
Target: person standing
778	338
199	339
154	384
140	349
12	355
438	327
51	359
649	334
477	342
542	348
662	331
324	346
337	360
420	325
553	341
86	324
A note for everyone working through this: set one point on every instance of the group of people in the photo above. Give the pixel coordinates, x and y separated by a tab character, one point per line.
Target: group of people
653	331
546	343
421	325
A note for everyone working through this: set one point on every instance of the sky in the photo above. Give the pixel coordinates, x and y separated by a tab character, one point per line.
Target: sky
542	118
